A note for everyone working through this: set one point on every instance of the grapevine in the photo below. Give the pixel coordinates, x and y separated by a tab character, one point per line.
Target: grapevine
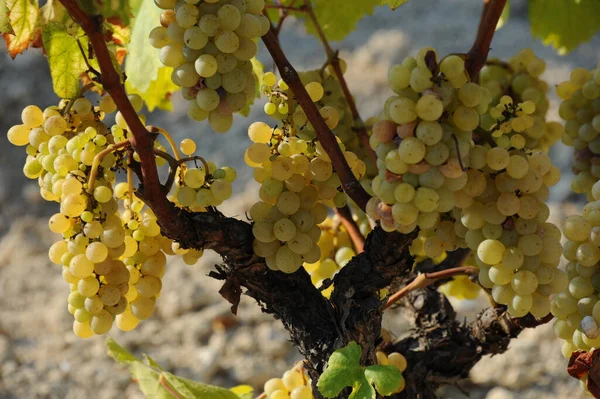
443	193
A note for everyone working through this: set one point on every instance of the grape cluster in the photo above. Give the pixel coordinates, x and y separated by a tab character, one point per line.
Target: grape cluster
506	226
203	186
520	79
297	181
577	308
336	251
111	259
294	384
580	109
209	45
423	142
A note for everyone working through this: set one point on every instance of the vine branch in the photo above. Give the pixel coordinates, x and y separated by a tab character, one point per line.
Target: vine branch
327	139
334	60
358	239
477	56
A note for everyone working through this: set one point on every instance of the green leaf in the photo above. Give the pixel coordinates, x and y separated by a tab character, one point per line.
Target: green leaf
343	370
362	390
149	381
4	20
386	379
146	75
243	391
107	8
22	15
64	58
118	353
339	17
189	389
504	16
564	24
393	3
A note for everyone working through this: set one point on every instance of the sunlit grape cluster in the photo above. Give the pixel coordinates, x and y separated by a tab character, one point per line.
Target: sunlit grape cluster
198	188
577	307
111	258
336	251
524	123
297	181
294	384
505	225
423	142
209	45
580	109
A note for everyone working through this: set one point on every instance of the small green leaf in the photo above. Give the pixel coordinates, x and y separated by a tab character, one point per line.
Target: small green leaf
4	20
64	58
189	389
386	379
22	15
339	17
343	370
243	391
118	353
146	75
149	381
564	24
393	3
151	362
504	16
362	390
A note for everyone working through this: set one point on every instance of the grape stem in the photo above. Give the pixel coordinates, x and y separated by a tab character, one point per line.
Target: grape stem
174	165
87	62
424	280
168	137
327	139
98	158
334	60
130	178
486	136
358	239
477	56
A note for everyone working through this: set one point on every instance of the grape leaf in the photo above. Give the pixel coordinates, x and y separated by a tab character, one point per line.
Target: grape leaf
118	353
393	3
386	379
4	20
146	75
564	24
120	9
64	58
343	370
339	17
22	15
243	391
157	384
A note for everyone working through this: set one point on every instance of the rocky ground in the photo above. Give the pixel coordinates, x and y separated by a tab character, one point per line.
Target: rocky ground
41	358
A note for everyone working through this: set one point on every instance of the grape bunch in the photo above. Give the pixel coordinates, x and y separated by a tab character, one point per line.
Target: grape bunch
336	251
505	225
203	186
103	251
520	80
577	308
580	109
423	142
297	181
209	45
112	256
294	384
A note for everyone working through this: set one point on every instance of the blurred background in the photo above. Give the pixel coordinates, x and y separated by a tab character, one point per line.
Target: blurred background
192	333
